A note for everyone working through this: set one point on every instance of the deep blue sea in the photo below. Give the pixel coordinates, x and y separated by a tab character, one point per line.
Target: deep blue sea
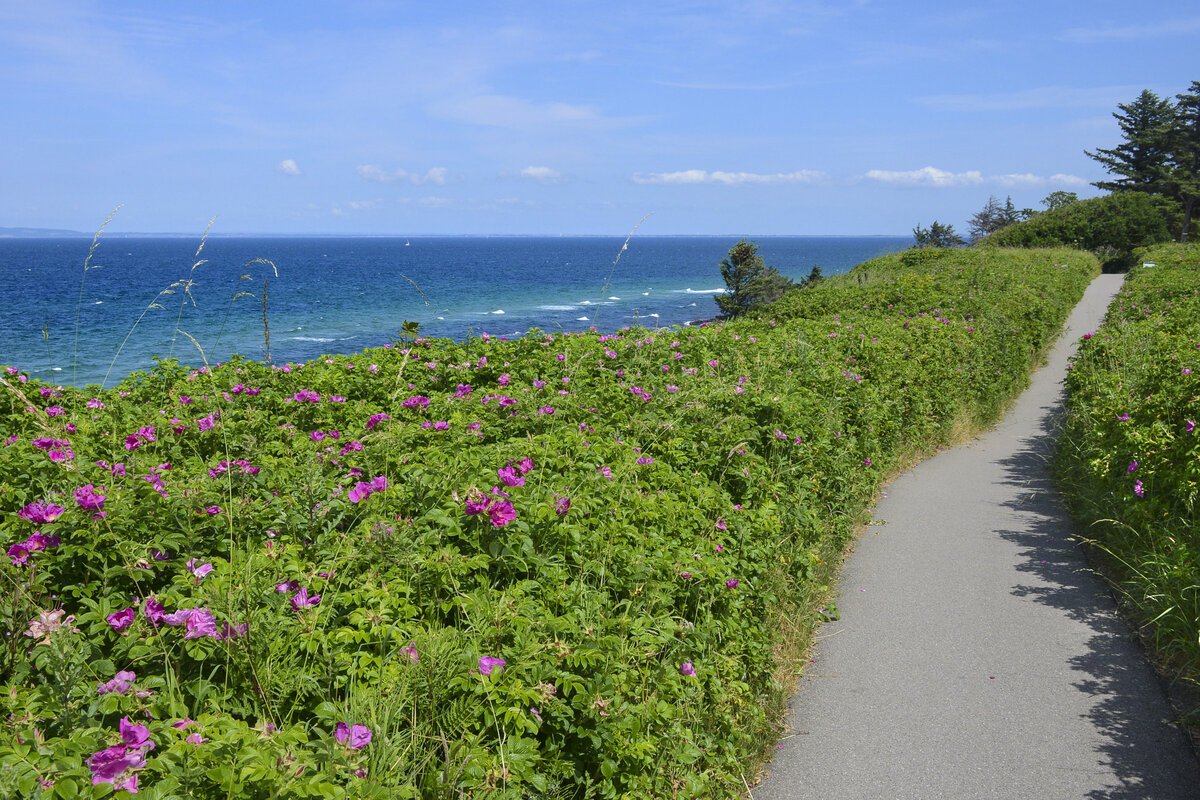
340	295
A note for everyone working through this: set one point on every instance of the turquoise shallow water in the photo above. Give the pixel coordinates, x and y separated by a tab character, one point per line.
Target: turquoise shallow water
340	295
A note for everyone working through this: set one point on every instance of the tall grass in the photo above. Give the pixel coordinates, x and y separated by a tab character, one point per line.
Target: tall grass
1129	457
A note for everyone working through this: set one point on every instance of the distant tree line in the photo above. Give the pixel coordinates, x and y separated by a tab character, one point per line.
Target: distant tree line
1154	188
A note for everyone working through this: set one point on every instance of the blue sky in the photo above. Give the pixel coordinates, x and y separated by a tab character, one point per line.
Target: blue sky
759	117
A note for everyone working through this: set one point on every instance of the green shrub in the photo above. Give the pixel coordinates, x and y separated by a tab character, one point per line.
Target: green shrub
627	520
1111	226
1129	457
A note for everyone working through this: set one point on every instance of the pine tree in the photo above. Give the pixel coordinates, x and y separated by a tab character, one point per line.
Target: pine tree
1183	177
748	280
937	235
1141	160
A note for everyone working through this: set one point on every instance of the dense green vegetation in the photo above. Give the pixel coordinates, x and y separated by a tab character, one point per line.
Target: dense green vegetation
563	566
1129	458
1112	226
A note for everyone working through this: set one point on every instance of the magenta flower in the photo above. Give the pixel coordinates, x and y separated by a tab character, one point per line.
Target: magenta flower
645	460
357	736
1133	465
867	461
378	483
302	599
476	503
732	583
562	505
1191	425
41	512
207	423
200	623
120	620
19	554
361	491
200	571
411	653
1139	490
509	477
154	611
120	684
135	736
687	669
416	401
441	426
176	618
375	420
195	738
115	765
721	526
233	631
489	663
287	586
501	512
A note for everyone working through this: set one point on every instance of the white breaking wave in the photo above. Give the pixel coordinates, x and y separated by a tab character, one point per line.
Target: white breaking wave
308	339
700	291
498	311
614	298
556	308
581	319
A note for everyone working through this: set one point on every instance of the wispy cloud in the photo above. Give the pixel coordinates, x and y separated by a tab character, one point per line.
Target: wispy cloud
514	113
542	175
288	167
1132	33
932	177
1041	97
374	172
926	176
696	176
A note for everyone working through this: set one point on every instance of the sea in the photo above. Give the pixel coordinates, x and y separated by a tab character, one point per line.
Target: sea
71	314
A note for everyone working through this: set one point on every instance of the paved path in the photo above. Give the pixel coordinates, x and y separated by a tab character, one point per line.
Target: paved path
976	656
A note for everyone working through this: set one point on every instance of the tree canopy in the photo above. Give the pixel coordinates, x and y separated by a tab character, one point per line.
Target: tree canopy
937	235
749	281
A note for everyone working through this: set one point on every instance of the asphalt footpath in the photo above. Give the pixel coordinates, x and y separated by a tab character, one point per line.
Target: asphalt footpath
976	656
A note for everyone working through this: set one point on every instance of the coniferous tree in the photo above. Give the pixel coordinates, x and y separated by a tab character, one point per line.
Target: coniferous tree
749	281
1183	175
993	217
1141	160
937	235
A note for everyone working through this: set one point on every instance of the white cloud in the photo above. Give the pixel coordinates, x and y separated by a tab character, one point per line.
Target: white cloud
932	177
542	174
374	172
288	167
926	176
695	176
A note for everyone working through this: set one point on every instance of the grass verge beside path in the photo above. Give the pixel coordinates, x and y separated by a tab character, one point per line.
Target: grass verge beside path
1129	458
565	566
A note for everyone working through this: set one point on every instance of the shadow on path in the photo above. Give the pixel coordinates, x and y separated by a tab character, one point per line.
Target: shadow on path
1148	757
